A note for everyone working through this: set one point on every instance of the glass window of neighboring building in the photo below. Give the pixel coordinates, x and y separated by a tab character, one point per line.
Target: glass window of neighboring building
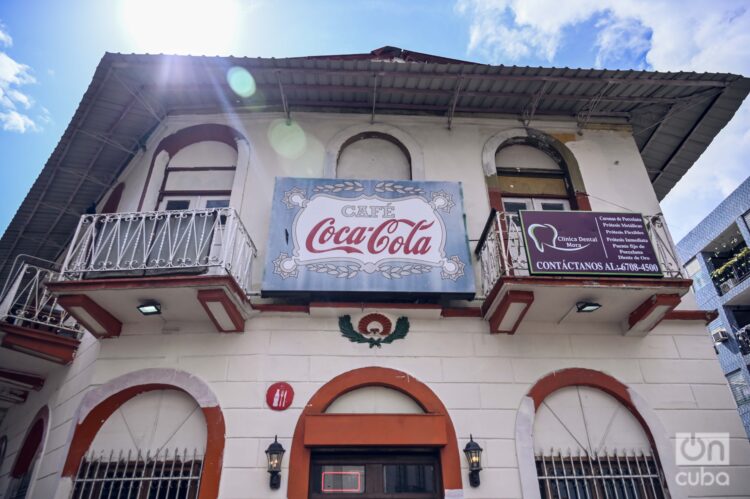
696	273
739	386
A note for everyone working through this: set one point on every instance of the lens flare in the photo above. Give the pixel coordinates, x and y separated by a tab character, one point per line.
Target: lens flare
288	140
241	81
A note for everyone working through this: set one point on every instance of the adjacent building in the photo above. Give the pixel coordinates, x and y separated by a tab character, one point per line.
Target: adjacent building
371	275
717	258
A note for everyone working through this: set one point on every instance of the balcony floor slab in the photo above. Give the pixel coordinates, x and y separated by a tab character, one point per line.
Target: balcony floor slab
555	298
177	295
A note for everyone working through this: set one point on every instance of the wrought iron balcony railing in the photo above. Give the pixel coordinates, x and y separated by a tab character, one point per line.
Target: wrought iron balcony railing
501	249
205	241
27	302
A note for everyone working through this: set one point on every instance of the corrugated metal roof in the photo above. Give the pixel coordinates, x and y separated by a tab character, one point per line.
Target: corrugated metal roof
674	115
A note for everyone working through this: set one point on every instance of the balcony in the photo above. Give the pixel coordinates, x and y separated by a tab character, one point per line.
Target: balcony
730	275
513	293
36	333
174	259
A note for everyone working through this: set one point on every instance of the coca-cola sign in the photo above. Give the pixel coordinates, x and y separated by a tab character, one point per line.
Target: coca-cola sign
368	236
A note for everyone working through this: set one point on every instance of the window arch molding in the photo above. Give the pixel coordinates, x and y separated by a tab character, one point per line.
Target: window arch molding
571	377
170	145
395	135
314	410
547	144
101	402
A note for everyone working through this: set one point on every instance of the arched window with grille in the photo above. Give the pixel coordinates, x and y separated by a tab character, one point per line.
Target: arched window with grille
581	435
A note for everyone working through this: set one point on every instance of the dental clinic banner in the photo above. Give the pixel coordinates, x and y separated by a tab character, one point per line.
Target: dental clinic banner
367	236
588	243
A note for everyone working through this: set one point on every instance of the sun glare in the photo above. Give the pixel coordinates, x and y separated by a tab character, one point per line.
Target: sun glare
196	27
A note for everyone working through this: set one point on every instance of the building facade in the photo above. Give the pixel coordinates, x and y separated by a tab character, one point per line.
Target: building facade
420	277
716	256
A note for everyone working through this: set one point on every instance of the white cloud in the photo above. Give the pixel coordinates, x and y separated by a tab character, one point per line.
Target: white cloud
13	121
620	38
5	38
674	36
13	76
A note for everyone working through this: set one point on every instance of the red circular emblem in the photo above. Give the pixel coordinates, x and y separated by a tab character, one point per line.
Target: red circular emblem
279	396
375	325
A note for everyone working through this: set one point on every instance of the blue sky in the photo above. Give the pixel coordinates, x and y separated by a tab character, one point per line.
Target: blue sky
49	50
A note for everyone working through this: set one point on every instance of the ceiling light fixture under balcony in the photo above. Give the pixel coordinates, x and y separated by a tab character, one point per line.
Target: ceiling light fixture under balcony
587	307
150	307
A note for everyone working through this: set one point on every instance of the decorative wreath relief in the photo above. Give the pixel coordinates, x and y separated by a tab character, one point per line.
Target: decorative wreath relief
442	201
374	329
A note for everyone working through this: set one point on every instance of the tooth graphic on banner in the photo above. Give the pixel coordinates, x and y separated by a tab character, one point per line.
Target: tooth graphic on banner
533	231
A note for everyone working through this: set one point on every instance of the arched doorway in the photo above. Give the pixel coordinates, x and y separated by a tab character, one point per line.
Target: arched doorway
101	458
339	442
581	434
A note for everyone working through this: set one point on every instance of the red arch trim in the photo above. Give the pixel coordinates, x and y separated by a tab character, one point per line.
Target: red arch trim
299	463
113	201
87	429
32	443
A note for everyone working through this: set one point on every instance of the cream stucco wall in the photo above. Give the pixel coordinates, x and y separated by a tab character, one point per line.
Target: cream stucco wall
482	379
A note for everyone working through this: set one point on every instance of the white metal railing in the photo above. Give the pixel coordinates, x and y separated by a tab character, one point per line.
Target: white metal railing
26	301
663	246
501	249
211	240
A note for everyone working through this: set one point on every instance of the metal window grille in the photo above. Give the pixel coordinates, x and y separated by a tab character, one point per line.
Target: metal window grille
740	388
615	475
164	475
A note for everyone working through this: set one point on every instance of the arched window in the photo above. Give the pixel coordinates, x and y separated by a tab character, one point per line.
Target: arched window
143	429
156	439
374	400
588	439
27	457
531	176
199	175
374	155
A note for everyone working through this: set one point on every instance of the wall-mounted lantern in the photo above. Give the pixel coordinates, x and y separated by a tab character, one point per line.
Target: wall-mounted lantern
474	456
275	453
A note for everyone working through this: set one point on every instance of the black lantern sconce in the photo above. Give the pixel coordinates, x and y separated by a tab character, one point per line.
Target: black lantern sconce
275	453
474	456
